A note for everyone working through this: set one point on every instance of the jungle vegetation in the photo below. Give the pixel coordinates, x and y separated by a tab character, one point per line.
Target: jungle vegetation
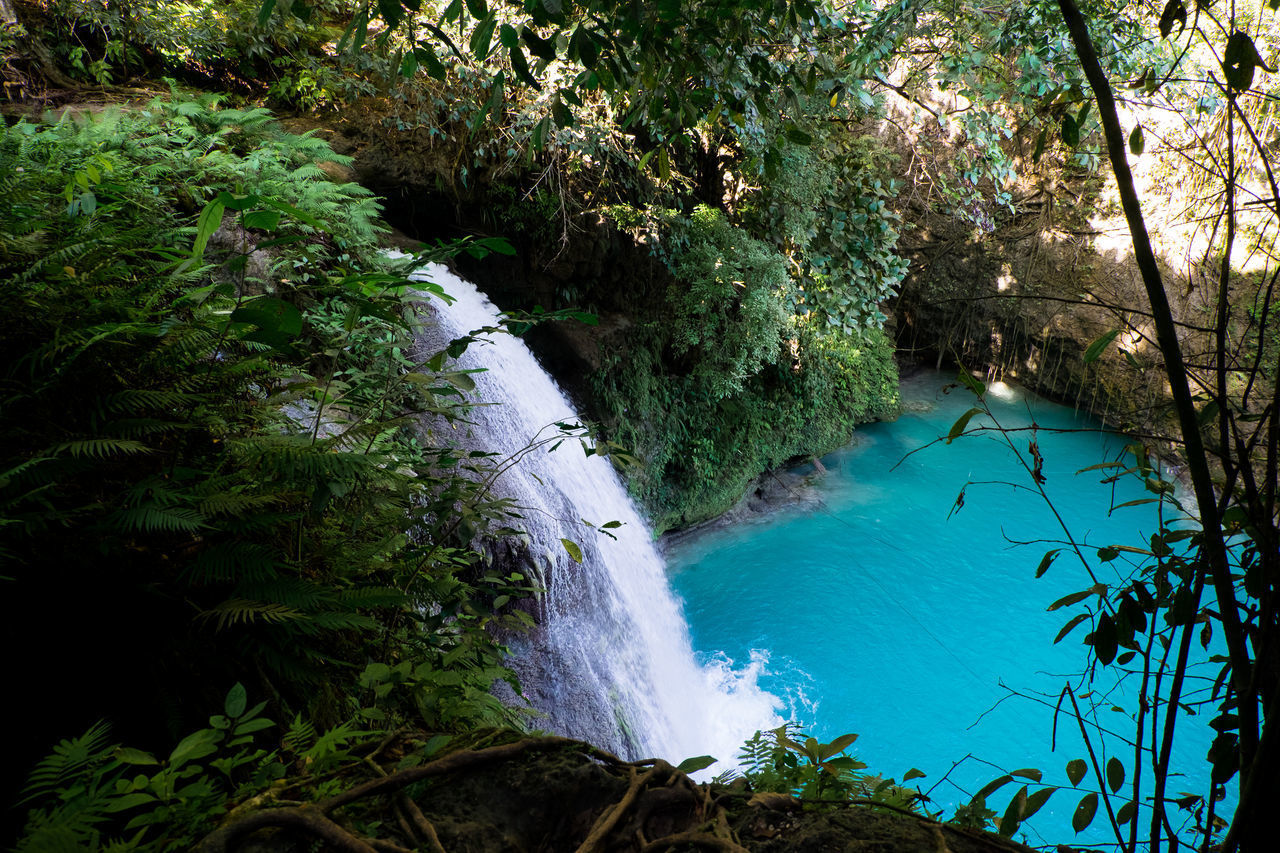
215	494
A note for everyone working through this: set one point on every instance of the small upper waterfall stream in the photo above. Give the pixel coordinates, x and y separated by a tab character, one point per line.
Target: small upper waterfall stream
611	661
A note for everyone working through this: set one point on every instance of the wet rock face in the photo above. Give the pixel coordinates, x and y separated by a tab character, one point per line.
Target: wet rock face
1025	304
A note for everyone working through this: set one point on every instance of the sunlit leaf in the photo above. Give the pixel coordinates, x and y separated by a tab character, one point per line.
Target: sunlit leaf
693	765
571	547
1099	344
1137	142
958	427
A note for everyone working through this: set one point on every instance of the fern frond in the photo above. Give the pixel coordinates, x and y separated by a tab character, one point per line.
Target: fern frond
234	504
235	611
136	400
246	562
101	448
69	759
332	620
373	596
301	735
155	519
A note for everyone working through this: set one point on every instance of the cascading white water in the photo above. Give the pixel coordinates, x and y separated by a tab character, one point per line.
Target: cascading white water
611	661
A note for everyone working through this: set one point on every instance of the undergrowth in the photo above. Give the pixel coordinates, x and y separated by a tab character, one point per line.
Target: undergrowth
208	470
724	382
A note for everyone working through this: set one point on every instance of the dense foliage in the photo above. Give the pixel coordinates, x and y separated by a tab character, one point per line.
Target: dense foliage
206	371
731	382
211	462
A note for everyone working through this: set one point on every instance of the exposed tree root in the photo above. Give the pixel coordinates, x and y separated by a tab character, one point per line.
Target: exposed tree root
572	796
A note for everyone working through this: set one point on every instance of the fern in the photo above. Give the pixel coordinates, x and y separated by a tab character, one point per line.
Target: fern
68	760
101	448
236	611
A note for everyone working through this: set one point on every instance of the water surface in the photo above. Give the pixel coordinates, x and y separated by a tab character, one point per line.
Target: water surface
886	608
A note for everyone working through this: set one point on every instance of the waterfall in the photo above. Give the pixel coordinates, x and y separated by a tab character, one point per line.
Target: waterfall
611	661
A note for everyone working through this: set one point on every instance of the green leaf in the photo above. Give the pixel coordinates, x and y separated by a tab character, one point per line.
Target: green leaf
1046	561
391	12
1066	629
664	165
426	54
958	427
913	773
972	384
264	13
538	46
1070	131
539	137
1073	598
575	553
1099	344
1129	810
1076	768
1036	801
237	701
1084	813
210	221
991	787
129	755
798	136
1028	773
521	66
300	215
836	746
1115	774
482	37
1013	814
693	765
1105	639
409	65
263	220
193	747
1039	150
276	319
128	801
1137	142
561	113
248	727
